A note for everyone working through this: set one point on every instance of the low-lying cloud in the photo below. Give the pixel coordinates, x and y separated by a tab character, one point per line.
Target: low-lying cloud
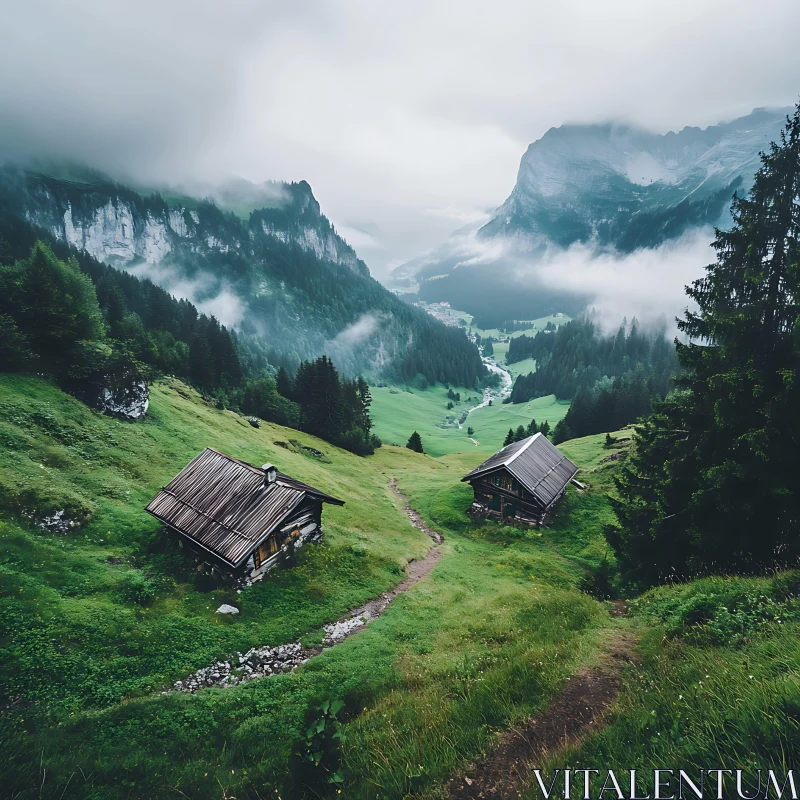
648	283
205	292
357	333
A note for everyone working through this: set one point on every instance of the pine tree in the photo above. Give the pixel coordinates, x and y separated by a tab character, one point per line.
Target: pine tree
509	438
284	383
55	307
544	428
415	443
714	482
532	428
201	362
519	434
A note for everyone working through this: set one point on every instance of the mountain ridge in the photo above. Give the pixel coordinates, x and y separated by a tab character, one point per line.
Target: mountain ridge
579	183
282	276
612	188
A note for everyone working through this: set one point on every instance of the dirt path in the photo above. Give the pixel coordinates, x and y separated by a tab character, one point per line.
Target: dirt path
416	519
260	662
578	711
416	570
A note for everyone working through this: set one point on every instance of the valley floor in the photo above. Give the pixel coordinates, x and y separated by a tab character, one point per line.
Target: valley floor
99	621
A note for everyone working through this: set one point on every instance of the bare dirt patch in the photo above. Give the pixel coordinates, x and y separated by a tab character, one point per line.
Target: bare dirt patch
580	709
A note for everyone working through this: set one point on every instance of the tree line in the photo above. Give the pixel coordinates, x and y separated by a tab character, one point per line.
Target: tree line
713	482
577	355
611	379
523	432
78	320
609	405
331	407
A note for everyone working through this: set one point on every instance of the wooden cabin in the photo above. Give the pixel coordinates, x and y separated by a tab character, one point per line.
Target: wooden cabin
238	518
522	482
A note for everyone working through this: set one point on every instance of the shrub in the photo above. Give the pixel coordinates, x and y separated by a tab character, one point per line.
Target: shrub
138	588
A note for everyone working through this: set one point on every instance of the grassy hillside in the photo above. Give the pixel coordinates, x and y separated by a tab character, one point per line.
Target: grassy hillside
396	412
718	687
89	643
99	621
59	455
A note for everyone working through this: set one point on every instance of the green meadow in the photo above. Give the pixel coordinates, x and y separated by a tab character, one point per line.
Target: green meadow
397	412
100	621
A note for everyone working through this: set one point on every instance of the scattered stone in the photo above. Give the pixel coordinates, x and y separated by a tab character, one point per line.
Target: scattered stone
227	609
255	422
114	560
58	523
256	663
128	401
336	632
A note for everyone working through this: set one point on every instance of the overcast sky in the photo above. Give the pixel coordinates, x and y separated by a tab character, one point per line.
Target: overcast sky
407	118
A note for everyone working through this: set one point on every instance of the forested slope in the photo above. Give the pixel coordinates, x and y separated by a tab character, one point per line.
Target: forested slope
292	287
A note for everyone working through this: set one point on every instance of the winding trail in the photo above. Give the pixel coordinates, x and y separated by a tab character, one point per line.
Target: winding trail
260	662
580	709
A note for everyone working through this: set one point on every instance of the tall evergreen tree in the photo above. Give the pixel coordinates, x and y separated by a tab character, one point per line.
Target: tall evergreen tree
415	443
509	438
284	383
714	484
54	307
519	433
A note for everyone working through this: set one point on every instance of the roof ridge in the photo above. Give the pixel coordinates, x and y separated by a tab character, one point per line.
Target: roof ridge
236	460
523	449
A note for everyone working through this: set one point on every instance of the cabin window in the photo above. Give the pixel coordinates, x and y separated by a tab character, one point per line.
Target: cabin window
496	480
267	549
505	482
514	486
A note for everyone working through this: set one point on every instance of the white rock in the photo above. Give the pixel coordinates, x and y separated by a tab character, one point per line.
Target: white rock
226	609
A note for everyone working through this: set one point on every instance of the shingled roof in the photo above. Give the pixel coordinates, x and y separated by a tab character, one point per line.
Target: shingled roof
536	463
225	505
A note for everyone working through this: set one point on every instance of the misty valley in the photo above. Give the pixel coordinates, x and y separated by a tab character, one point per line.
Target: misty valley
276	522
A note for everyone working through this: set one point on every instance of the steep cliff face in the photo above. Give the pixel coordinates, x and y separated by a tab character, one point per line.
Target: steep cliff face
121	227
280	274
622	186
614	188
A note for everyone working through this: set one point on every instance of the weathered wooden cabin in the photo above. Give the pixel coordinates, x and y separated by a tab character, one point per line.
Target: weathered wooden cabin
239	518
523	481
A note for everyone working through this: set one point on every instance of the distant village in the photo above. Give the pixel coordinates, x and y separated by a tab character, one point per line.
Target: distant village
449	316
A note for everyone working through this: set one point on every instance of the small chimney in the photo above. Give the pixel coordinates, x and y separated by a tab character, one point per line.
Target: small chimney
270	473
